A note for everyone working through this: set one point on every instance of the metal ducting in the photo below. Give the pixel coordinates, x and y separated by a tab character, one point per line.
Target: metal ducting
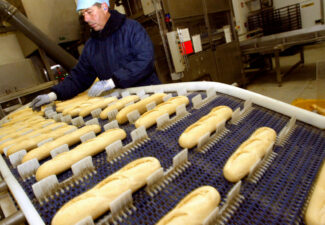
54	51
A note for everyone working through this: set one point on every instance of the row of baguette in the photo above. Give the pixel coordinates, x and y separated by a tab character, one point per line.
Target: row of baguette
235	169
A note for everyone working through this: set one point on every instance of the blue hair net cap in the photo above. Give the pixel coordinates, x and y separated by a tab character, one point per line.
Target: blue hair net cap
85	4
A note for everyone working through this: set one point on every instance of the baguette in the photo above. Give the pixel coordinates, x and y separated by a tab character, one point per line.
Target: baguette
60	106
118	105
32	142
44	151
35	132
65	160
85	108
96	201
207	124
248	153
121	116
194	208
150	117
315	214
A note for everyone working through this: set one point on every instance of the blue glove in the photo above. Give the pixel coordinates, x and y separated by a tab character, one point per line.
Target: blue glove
99	87
42	100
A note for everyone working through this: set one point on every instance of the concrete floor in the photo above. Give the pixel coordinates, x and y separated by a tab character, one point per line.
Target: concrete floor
304	82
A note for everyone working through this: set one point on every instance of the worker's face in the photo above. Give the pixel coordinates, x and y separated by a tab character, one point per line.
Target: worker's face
96	16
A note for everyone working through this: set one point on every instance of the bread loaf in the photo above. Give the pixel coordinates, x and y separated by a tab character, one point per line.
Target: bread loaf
32	142
84	109
36	131
121	117
207	124
194	208
44	151
82	97
96	201
149	118
118	105
315	213
65	160
248	153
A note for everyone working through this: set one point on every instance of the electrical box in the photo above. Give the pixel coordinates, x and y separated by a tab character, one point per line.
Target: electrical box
58	19
149	7
175	50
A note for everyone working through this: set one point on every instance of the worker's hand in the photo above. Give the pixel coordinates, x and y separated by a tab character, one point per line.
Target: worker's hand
42	100
101	86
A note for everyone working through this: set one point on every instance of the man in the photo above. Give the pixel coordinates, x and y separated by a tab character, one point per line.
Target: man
119	52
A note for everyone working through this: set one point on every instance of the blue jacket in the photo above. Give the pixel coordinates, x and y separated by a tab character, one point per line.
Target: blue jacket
122	51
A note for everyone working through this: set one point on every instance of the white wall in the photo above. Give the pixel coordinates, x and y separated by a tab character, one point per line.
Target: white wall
10	49
308	14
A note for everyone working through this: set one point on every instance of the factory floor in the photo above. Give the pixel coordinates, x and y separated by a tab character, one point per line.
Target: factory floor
303	82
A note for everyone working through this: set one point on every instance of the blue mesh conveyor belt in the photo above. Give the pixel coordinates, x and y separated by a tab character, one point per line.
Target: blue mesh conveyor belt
277	198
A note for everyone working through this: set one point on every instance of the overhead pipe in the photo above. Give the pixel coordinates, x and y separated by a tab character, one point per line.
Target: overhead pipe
12	15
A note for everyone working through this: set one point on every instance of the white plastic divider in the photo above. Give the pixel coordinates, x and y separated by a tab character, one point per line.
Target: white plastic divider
111	115
59	150
144	97
86	221
20	196
57	117
96	112
160	179
92	122
286	131
151	106
83	165
238	114
88	136
71	130
164	120
15	159
125	93
133	116
44	141
45	186
167	97
261	165
66	119
111	125
139	134
198	102
113	150
141	93
28	168
78	121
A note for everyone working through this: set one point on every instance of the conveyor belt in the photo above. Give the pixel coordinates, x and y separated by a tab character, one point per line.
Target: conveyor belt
277	198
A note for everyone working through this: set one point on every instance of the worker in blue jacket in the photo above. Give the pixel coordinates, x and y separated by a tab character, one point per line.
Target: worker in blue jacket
119	52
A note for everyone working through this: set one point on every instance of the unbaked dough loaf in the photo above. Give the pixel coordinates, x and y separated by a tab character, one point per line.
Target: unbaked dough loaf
31	142
85	108
150	117
121	117
65	160
118	105
72	138
248	153
315	214
207	124
194	208
82	97
36	131
16	127
96	201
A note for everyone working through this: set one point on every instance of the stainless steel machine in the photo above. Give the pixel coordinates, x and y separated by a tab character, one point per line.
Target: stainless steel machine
275	192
